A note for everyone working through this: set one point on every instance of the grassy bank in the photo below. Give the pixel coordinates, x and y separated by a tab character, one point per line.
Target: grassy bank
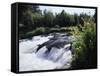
44	31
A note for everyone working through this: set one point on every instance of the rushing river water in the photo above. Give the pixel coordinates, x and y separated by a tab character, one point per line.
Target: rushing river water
45	52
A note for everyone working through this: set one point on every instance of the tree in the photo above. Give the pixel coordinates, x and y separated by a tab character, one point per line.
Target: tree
94	16
76	18
48	19
25	16
62	19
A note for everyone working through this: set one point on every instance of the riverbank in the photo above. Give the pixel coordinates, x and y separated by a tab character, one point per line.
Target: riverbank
46	30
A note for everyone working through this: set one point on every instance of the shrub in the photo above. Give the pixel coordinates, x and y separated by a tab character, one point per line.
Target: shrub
85	48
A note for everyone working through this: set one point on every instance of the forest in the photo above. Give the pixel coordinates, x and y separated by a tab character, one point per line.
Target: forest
33	21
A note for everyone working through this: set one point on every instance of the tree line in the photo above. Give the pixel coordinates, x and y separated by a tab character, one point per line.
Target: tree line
31	17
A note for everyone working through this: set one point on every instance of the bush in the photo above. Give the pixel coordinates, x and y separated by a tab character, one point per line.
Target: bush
85	48
37	31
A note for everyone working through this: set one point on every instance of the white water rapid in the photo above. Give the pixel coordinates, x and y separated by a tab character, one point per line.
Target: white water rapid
31	59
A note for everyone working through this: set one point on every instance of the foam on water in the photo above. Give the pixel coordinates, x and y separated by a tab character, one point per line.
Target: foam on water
30	61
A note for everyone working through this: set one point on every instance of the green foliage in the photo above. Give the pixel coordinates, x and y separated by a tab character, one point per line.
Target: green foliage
85	48
43	30
38	31
25	17
76	18
48	19
91	44
31	18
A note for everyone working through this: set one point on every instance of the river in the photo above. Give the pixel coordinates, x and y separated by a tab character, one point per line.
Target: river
45	52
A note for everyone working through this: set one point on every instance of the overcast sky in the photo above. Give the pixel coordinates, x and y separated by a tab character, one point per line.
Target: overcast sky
70	10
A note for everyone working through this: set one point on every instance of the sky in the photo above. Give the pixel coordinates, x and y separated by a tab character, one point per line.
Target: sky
69	10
